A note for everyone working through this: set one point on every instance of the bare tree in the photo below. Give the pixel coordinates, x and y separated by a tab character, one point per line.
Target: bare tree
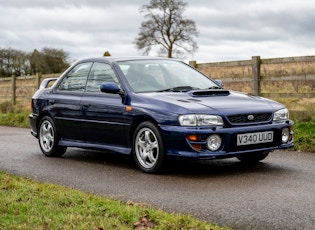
165	27
13	62
19	63
55	59
36	62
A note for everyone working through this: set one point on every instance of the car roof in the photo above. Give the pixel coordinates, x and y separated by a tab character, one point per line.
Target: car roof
117	59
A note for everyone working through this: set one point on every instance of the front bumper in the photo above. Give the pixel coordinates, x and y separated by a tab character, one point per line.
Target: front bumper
177	143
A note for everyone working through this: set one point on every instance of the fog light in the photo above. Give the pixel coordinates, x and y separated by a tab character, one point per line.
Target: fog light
214	142
285	135
197	147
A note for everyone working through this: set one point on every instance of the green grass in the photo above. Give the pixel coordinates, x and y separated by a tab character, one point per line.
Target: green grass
26	204
304	136
13	115
19	119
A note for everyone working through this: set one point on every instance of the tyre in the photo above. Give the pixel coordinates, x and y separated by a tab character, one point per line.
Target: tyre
48	138
148	148
252	157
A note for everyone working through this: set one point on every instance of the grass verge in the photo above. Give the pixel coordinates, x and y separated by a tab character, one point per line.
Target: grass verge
304	136
26	204
15	119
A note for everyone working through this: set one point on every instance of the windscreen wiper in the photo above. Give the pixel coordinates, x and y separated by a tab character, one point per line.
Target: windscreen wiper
178	89
215	87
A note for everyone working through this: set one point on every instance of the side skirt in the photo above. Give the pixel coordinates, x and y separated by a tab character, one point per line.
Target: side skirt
84	145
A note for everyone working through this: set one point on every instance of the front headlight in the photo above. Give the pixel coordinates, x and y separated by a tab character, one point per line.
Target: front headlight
200	120
282	114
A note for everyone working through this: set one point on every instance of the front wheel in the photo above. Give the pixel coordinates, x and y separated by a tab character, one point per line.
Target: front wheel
48	138
148	149
252	157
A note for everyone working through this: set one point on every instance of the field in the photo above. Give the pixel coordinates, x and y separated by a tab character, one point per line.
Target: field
290	83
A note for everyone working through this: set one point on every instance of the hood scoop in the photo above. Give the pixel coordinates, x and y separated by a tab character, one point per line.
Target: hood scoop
189	100
209	92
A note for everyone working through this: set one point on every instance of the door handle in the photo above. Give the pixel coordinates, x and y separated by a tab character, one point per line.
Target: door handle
51	102
85	106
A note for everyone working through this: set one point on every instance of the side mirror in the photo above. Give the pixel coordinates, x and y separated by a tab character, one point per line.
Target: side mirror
219	82
110	87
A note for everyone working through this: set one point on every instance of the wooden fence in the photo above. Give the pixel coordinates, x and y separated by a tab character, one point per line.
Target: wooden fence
289	80
19	90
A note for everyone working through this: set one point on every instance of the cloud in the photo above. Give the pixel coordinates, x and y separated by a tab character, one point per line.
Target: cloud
228	29
244	28
81	29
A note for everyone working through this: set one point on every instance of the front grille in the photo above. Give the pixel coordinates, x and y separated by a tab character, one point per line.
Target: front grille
249	118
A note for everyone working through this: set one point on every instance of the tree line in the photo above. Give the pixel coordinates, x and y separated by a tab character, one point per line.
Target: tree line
20	63
164	27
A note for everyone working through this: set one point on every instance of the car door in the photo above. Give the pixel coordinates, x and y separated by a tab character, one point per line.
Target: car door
103	113
66	102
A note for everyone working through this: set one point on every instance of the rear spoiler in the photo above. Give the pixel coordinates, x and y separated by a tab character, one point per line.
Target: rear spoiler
46	81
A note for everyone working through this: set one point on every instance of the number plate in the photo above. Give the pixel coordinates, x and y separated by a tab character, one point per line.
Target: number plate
254	138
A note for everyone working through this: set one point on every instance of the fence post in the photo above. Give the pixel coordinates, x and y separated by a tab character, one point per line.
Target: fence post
38	77
13	89
256	75
193	64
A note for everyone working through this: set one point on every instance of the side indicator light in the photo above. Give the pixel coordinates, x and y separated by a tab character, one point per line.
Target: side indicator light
128	108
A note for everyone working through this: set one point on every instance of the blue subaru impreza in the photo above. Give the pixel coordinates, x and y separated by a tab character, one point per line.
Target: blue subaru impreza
154	109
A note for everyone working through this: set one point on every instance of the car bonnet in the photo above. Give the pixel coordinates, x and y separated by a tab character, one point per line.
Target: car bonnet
231	103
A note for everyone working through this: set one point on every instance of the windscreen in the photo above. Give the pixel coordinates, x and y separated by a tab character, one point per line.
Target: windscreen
163	75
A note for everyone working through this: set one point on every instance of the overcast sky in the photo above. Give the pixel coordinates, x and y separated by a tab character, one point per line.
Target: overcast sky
228	29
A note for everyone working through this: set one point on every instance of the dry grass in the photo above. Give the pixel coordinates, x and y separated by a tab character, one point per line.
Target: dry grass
222	72
293	80
287	78
287	69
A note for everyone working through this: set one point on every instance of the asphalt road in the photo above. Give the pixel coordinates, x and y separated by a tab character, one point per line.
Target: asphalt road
276	194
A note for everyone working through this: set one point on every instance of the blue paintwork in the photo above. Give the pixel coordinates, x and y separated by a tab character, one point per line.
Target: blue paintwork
101	121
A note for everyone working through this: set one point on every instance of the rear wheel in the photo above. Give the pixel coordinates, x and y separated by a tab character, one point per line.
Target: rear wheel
148	149
48	138
252	157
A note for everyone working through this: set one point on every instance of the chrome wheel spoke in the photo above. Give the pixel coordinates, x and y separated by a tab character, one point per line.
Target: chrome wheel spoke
47	136
147	148
141	147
